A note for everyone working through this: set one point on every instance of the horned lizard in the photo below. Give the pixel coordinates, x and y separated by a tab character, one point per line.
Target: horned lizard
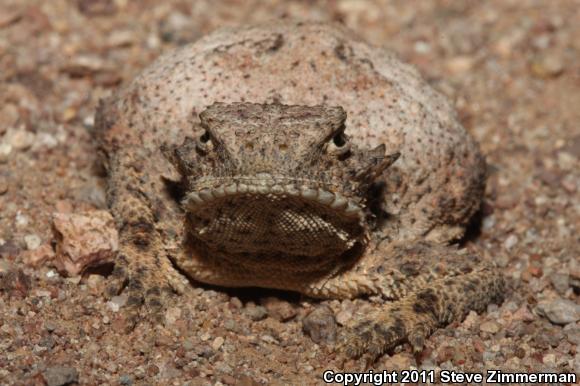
295	156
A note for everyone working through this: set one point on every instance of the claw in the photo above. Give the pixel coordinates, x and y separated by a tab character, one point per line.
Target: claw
118	280
417	338
149	292
385	329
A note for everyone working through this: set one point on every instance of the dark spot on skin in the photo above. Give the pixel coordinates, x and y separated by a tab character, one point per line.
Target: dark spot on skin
422	307
475	282
278	43
366	336
140	271
466	269
312	65
469	287
427	295
135	285
119	271
398	327
363	326
154	291
140	241
154	303
370	65
426	302
340	52
384	332
134	301
167	290
409	269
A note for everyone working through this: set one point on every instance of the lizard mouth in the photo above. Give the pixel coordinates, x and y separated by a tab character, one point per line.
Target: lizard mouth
274	217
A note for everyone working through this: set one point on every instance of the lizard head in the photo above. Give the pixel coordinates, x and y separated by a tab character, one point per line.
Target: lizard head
277	180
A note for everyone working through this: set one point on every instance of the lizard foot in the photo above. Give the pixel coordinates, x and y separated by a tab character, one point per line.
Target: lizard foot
384	329
414	317
150	292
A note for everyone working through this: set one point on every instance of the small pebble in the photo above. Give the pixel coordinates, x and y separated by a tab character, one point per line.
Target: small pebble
576	363
117	302
95	281
236	302
278	309
38	256
547	66
559	311
490	327
217	343
549	359
177	28
50	326
60	375
32	242
256	313
459	65
400	362
188	344
3	185
343	316
5	266
21	220
320	325
510	242
172	315
19	139
125	380
230	325
5	150
422	47
444	354
523	314
560	281
573	335
84	239
15	282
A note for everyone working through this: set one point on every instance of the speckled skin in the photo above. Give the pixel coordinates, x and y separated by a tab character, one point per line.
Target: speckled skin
424	199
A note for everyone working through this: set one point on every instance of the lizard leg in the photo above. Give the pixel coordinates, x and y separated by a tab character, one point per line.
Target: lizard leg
428	286
142	268
414	317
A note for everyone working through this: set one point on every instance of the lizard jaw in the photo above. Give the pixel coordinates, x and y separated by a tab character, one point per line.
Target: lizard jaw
198	200
273	219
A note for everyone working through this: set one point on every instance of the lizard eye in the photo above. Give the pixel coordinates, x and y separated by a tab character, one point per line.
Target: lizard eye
203	142
204	138
339	144
339	140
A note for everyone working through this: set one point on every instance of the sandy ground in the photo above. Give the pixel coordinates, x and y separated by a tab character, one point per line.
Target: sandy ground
511	66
